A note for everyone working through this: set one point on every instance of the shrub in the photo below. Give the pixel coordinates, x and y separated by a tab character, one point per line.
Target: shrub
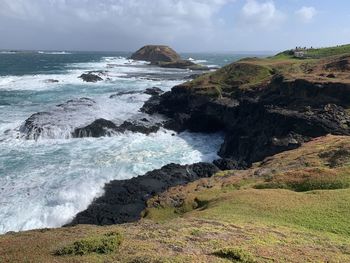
100	245
235	255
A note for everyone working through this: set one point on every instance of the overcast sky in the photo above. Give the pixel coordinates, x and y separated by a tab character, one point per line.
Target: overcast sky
186	25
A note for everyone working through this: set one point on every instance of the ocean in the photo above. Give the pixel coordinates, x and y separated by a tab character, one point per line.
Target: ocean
45	182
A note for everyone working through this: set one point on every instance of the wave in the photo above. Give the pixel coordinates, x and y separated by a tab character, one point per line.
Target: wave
197	61
37	195
46	182
8	52
54	52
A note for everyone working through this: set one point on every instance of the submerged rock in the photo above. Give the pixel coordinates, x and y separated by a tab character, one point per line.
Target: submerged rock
122	93
124	200
51	81
90	77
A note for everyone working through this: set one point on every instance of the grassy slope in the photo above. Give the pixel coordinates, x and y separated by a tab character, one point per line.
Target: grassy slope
260	211
252	73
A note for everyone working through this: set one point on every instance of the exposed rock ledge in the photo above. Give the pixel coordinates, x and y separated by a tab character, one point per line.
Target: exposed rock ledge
124	200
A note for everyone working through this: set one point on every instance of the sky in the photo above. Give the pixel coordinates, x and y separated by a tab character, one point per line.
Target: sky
185	25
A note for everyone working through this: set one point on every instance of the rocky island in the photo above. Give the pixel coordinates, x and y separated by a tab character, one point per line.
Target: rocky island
165	57
280	191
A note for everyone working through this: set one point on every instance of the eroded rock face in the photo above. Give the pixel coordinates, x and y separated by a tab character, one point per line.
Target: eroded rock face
124	200
263	122
156	53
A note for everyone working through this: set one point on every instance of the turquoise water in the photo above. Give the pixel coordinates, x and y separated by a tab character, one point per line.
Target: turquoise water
44	183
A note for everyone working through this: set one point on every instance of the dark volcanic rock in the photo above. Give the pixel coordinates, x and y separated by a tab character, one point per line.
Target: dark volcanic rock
98	128
260	124
145	126
229	164
156	53
102	127
124	200
153	91
90	77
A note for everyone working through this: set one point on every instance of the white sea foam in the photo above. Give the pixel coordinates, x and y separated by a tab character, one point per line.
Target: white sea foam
44	183
197	61
54	52
55	179
8	52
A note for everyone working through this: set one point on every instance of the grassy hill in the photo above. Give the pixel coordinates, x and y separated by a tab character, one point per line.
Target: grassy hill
320	65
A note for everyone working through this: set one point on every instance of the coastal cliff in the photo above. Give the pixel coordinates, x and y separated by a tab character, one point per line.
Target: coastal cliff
281	191
265	106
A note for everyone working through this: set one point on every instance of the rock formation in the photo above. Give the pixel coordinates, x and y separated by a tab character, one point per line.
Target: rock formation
165	57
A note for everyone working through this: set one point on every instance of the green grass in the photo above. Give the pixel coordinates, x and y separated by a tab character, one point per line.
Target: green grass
316	53
316	211
100	245
329	51
231	78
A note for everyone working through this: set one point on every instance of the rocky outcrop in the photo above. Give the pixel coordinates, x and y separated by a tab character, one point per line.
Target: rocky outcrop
261	122
102	127
124	200
75	118
98	128
165	57
156	53
90	77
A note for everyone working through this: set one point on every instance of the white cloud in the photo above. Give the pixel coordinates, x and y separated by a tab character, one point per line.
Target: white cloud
162	12
126	23
262	14
306	13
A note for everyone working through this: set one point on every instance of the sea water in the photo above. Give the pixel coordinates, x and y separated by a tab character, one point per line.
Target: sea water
45	182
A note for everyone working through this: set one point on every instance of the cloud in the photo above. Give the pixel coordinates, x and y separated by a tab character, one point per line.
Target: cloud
127	23
261	14
162	12
306	13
